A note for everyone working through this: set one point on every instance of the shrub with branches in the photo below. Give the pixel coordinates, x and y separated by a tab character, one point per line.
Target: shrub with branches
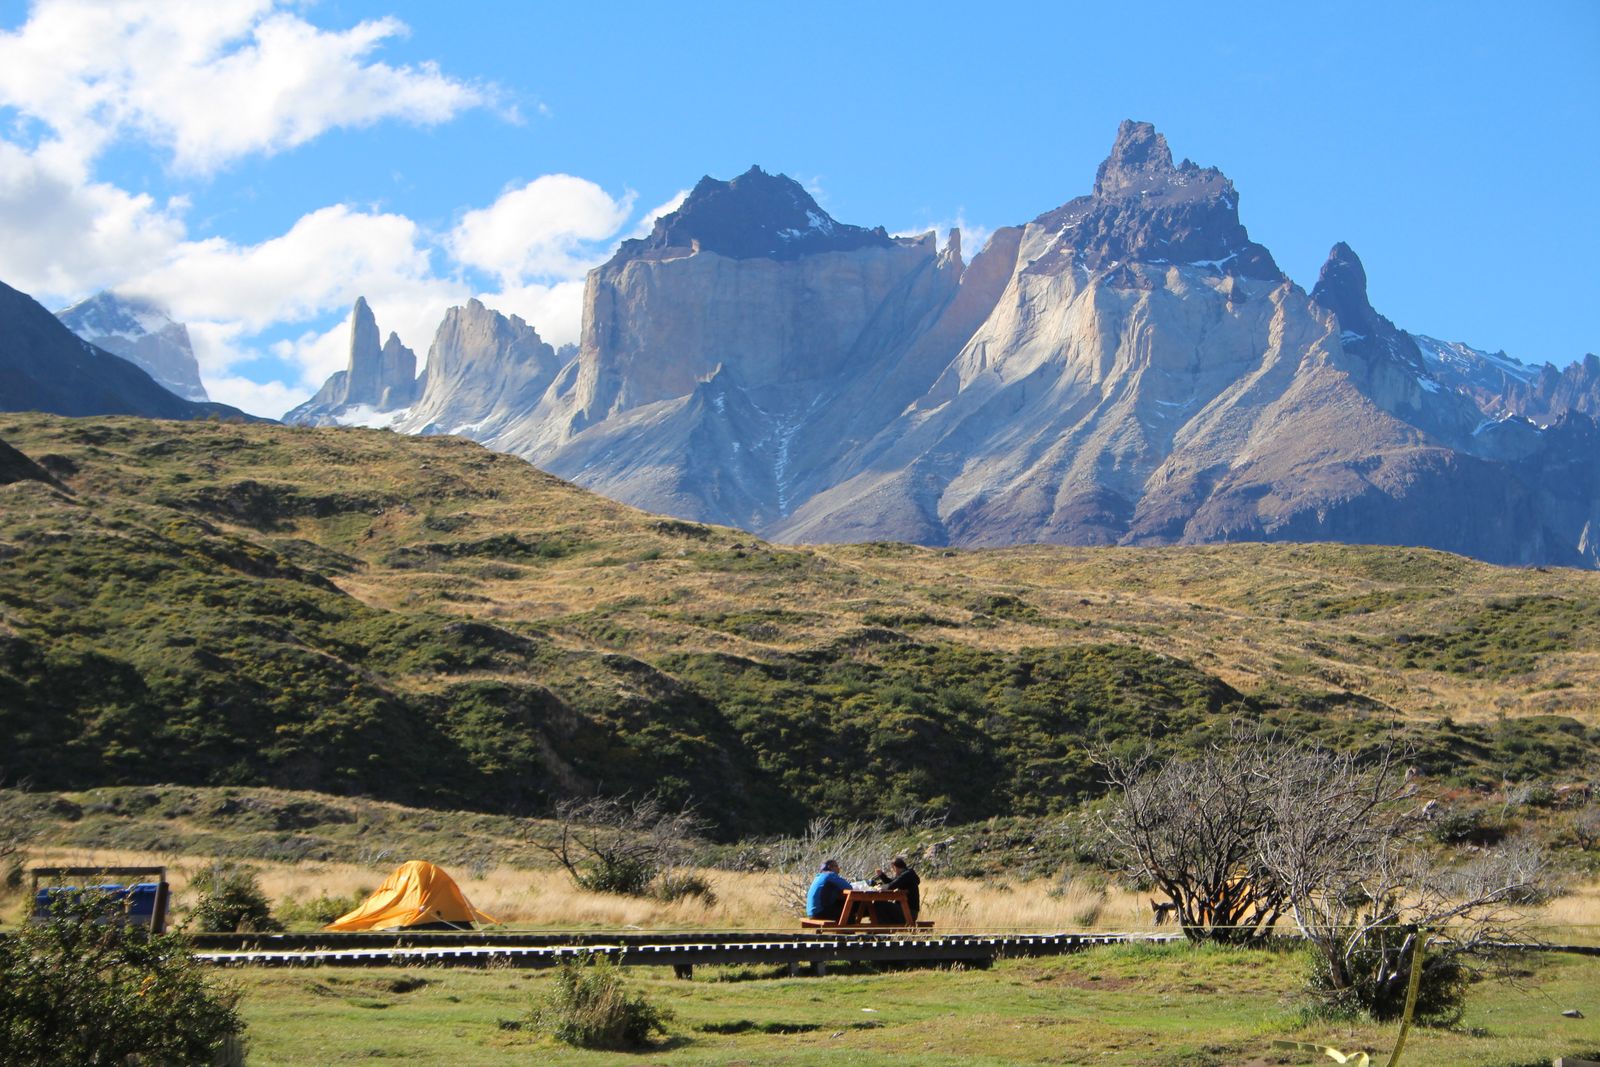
82	990
1191	827
621	844
1584	826
1346	838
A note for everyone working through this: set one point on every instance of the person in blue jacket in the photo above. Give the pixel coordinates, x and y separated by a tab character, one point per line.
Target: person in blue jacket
825	898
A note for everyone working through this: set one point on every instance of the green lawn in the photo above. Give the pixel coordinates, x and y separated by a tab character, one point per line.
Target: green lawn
1134	1006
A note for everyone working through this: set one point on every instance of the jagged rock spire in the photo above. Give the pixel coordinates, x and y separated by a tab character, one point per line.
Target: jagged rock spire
1342	289
1139	158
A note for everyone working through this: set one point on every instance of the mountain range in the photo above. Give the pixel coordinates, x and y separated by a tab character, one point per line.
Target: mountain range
1127	368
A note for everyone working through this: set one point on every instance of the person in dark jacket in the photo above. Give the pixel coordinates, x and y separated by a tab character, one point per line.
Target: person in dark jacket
899	876
825	898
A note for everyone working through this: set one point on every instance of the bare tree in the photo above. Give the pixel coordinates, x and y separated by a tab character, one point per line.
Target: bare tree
1252	827
1192	828
620	844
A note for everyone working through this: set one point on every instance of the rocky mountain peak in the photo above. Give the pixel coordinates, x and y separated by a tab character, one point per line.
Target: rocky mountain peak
1342	289
1146	210
756	215
141	332
364	335
45	366
1139	159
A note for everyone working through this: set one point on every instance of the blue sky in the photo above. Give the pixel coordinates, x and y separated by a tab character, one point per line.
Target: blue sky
258	164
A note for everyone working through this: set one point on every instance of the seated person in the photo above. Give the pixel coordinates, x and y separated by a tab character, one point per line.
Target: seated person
900	876
825	898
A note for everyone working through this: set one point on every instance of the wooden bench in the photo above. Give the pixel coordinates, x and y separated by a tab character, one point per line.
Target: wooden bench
858	914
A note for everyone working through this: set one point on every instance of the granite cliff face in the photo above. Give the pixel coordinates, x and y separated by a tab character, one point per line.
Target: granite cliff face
485	370
1128	368
377	383
141	333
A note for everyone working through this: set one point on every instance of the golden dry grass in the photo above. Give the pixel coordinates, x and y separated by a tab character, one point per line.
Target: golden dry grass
547	899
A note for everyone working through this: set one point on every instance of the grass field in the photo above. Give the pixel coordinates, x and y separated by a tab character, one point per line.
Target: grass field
1131	1006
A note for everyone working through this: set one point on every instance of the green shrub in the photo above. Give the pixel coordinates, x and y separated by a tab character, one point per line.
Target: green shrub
80	991
1464	825
319	910
588	1006
622	875
1376	978
231	900
679	885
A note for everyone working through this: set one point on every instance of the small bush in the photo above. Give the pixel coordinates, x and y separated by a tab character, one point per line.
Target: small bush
319	910
231	900
1463	825
588	1006
678	885
80	990
623	876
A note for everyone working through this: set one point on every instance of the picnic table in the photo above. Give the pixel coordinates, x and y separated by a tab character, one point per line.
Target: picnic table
858	912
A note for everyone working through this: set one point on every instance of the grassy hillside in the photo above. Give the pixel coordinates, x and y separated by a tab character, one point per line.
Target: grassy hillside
422	620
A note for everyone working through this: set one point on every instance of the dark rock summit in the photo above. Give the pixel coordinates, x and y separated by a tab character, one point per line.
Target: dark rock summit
1145	210
756	215
1342	289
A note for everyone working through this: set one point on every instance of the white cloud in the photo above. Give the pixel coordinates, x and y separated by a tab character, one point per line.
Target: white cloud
546	229
556	311
230	293
66	234
326	259
267	399
212	80
318	354
541	240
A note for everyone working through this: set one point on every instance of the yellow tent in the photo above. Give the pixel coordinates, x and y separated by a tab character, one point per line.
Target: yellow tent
416	894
